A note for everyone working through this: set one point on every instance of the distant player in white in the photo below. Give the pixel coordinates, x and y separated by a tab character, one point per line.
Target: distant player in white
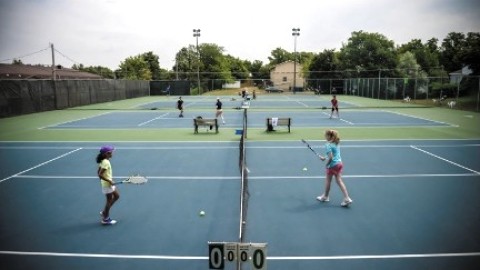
219	111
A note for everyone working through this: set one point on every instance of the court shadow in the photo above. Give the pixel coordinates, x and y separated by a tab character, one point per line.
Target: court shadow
303	205
76	229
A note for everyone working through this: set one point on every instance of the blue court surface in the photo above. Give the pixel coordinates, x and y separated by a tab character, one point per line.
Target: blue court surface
256	119
415	205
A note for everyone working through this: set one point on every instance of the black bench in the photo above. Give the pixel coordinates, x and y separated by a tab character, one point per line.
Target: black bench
205	122
280	122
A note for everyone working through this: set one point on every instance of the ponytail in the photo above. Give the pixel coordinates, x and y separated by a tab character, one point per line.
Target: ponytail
100	157
333	136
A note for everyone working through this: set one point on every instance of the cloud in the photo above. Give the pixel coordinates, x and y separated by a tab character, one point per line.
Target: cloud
105	32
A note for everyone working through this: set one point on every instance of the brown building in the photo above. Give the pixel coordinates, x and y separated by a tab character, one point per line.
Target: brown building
283	73
25	72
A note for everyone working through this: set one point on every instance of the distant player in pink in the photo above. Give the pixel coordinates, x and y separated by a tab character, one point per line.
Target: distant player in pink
334	102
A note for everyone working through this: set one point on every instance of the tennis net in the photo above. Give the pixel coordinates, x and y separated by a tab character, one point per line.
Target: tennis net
244	194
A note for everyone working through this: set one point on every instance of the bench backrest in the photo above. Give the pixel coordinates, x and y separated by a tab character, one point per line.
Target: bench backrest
204	121
281	121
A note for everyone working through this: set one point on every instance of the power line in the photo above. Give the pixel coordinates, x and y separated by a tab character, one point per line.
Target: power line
76	62
26	55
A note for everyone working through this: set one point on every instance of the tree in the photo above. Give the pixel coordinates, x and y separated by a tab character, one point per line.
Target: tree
426	55
324	65
450	52
408	66
17	62
470	55
213	61
99	70
134	68
368	52
183	62
153	64
278	56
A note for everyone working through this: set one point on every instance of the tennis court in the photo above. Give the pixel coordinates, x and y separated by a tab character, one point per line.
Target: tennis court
305	111
415	200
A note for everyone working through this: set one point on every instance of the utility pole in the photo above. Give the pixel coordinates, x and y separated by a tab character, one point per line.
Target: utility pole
54	77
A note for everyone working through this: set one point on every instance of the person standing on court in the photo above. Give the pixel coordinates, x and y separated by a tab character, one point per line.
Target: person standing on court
219	111
180	106
334	167
105	174
334	102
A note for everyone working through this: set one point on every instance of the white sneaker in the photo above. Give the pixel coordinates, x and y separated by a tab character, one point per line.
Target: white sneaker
346	202
108	221
323	199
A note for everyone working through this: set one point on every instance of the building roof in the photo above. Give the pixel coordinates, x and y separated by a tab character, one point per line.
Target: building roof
15	71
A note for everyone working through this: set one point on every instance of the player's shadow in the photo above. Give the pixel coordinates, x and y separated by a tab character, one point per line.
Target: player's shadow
312	205
80	228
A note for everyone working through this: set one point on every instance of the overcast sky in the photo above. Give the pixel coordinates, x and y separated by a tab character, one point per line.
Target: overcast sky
106	32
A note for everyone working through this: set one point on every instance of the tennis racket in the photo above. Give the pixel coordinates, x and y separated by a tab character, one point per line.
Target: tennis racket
136	180
313	150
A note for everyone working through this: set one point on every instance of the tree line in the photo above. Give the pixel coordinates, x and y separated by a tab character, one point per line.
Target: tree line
363	55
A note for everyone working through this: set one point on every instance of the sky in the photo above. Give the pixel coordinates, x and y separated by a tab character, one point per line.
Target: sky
106	32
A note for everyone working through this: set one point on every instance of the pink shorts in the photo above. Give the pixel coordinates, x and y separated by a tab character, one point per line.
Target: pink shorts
335	170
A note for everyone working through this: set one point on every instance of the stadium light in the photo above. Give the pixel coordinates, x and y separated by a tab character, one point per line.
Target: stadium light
196	34
295	34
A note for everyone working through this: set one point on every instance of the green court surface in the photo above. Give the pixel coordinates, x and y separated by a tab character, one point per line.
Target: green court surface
462	124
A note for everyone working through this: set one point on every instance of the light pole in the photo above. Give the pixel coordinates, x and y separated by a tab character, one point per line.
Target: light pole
295	34
196	34
176	65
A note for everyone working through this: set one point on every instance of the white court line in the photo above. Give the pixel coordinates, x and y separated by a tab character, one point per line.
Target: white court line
251	177
363	257
151	120
301	103
124	176
39	165
348	122
421	118
365	176
165	257
71	121
343	120
91	255
439	157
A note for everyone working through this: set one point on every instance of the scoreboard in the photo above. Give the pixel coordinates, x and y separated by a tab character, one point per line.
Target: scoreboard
225	255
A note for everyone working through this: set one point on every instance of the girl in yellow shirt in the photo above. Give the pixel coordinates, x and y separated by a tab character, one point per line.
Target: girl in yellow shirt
105	174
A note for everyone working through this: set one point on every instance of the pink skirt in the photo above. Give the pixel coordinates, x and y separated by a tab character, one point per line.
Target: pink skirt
335	170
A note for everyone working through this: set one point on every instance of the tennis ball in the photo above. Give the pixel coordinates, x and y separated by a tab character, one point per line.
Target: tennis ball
202	213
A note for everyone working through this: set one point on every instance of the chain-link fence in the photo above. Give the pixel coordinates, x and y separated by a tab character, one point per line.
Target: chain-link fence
437	91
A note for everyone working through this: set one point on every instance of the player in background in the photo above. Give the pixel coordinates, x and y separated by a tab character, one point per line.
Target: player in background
180	106
219	111
334	102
